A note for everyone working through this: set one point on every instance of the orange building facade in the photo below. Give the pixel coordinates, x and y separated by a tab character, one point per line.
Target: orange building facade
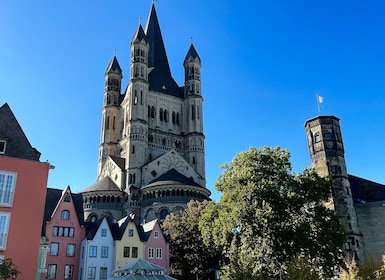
23	182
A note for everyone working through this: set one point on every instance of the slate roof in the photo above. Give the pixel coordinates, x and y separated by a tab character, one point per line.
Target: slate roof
364	190
51	201
17	144
192	53
92	227
160	78
147	228
104	184
119	161
139	34
113	66
172	177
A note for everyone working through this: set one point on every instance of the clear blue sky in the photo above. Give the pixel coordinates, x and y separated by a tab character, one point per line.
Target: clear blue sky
263	62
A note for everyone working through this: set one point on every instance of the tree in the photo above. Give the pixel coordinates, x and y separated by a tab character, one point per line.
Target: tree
8	270
268	216
190	258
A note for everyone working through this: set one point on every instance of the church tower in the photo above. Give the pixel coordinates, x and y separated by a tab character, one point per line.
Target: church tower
327	154
110	112
151	158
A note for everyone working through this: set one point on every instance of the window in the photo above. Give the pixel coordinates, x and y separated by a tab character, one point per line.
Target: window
2	146
4	222
130	232
68	271
51	271
70	250
91	272
67	198
7	188
103	273
317	138
158	253
104	252
156	234
327	136
63	231
54	250
93	251
126	252
134	252
65	215
104	232
150	253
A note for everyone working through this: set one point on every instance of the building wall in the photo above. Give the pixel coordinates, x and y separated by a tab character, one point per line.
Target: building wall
26	213
371	217
104	261
157	241
79	232
128	241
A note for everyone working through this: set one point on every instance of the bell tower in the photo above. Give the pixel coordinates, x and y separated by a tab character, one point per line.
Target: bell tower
328	158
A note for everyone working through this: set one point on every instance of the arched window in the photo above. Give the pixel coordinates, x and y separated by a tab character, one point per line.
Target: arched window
161	114
113	123
141	97
173	117
152	112
65	215
133	149
165	116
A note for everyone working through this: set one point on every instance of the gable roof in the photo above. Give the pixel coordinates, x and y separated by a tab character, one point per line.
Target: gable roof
17	144
52	200
160	78
147	228
364	190
114	67
93	227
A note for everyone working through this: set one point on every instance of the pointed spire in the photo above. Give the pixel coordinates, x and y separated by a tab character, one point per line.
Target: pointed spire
139	35
192	53
157	55
160	78
113	66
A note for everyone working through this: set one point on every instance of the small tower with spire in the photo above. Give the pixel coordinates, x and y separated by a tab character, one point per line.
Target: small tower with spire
110	112
193	108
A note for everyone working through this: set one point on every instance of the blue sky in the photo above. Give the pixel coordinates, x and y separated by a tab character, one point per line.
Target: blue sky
262	64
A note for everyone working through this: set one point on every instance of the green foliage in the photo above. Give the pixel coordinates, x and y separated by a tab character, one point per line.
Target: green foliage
190	258
267	216
8	270
302	269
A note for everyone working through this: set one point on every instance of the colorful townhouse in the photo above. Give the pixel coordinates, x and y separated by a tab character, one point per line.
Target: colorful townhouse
63	230
156	247
129	245
97	250
23	182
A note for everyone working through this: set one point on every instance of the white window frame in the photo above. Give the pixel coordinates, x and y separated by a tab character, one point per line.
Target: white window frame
159	253
2	151
156	234
151	253
5	218
104	251
7	188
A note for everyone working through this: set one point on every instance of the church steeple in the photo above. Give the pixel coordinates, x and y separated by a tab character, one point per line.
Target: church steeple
110	113
160	77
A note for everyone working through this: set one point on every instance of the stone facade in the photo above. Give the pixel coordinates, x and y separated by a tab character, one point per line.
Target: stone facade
327	153
151	155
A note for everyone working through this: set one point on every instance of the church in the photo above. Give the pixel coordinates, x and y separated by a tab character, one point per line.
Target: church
152	153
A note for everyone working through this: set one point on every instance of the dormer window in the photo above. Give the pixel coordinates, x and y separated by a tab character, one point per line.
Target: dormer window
3	145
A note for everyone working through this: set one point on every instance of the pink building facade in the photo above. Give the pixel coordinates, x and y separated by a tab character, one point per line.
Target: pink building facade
63	231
